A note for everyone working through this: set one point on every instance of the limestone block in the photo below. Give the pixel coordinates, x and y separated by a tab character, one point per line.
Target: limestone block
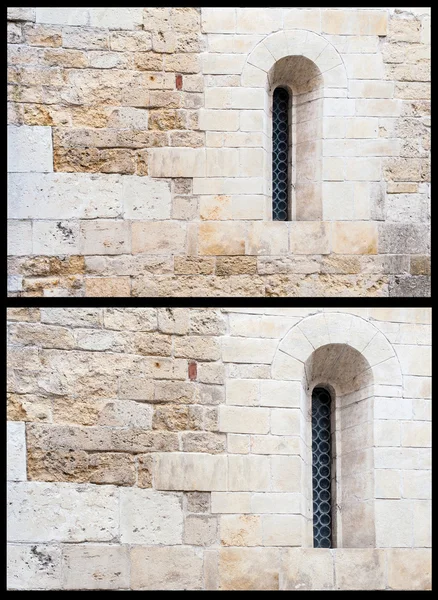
150	517
95	566
296	18
62	16
73	317
108	286
222	162
248	473
387	433
274	444
200	472
237	444
360	569
258	20
54	238
19	238
116	18
359	22
200	530
240	530
394	522
268	503
105	237
66	196
16	451
145	198
30	149
422	409
423	524
417	484
218	20
362	169
177	162
284	367
285	421
279	393
355	238
378	108
248	350
387	483
417	387
21	14
218	120
310	237
286	474
308	569
243	419
409	569
178	568
416	434
33	566
249	568
173	320
158	237
414	360
197	347
282	530
242	392
231	502
267	238
222	64
42	512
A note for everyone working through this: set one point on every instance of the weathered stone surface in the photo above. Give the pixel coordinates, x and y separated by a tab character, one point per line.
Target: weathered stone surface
94	567
41	512
197	502
150	517
29	149
360	568
199	472
178	568
308	569
33	566
213	443
200	530
409	569
249	568
16	452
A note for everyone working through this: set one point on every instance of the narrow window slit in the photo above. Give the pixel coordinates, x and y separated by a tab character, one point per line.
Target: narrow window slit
321	469
280	155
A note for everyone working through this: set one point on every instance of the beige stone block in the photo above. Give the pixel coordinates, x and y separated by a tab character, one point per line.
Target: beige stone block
166	568
310	237
241	350
363	169
248	207
222	162
394	522
218	20
215	208
417	387
416	434
104	237
158	237
258	20
360	569
238	444
33	566
200	530
409	569
425	31
333	210
242	392
177	162
392	408
285	421
222	64
370	89
423	524
286	474
240	530
236	419
308	569
201	472
275	444
417	484
387	433
359	22
92	566
249	568
333	169
268	503
280	393
387	483
267	238
108	286
19	237
303	19
378	108
422	409
284	367
354	238
361	127
16	451
197	347
218	120
414	360
221	239
282	530
231	502
248	473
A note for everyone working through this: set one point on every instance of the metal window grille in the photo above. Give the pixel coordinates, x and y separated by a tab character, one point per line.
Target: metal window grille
280	155
321	469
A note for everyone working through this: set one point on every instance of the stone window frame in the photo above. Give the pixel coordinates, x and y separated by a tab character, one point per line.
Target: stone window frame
331	77
374	367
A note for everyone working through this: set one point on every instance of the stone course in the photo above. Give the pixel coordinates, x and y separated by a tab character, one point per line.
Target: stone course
139	144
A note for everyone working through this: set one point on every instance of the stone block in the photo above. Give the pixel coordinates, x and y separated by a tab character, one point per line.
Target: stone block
116	18
16	451
409	569
285	421
274	444
197	347
201	472
423	524
218	120
221	238
200	530
268	503
417	484
231	502
237	419
62	16
394	522
249	568
21	14
359	22
242	392
360	569
145	198
286	473
282	530
248	473
173	320
54	238
149	517
240	530
105	237
267	238
108	286
237	444
30	149
414	360
42	512
248	350
310	237
218	20
355	238
416	434
158	237
178	568
308	569
33	566
19	238
95	567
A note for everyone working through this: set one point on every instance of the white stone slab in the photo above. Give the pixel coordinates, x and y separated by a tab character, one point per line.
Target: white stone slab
30	149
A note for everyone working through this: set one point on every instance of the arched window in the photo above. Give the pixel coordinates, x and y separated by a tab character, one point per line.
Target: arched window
321	468
280	155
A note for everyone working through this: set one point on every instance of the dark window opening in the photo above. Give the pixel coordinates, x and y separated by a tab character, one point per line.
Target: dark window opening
280	155
321	469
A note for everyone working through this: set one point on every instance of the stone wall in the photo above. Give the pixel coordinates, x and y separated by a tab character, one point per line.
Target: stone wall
169	448
139	152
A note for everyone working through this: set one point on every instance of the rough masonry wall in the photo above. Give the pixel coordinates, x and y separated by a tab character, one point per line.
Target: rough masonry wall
166	448
139	152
